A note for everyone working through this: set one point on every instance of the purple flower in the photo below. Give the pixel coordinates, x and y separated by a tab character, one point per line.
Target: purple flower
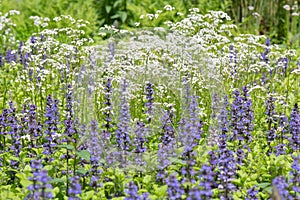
271	121
233	59
33	125
94	143
295	177
123	131
132	193
252	194
194	194
10	56
190	131
36	165
32	39
1	60
165	152
14	132
175	190
190	128
240	157
213	158
21	44
237	114
226	171
241	116
280	149
295	129
264	55
4	123
280	187
206	182
167	127
108	110
41	188
140	138
74	188
284	126
95	149
223	119
248	118
150	99
51	123
270	111
69	122
285	64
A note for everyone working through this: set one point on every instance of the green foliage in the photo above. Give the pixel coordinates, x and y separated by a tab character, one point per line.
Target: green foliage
78	9
112	12
198	47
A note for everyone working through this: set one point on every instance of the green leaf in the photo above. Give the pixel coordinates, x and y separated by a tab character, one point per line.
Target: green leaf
268	189
161	191
263	185
27	168
115	16
84	154
88	195
81	171
25	183
66	146
123	16
108	8
117	3
279	161
55	191
147	179
176	161
57	180
109	184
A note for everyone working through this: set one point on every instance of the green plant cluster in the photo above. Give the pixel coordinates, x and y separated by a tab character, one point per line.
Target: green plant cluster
277	19
145	111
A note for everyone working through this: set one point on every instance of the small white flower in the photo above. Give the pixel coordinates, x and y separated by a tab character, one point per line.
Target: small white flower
179	14
158	11
56	135
295	14
295	7
256	14
196	10
27	137
250	7
287	7
169	7
150	16
44	25
57	19
136	24
14	12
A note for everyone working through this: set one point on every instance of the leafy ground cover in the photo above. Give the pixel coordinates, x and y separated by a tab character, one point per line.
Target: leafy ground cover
191	111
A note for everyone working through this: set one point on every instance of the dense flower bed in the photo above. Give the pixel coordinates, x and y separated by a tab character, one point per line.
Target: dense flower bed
190	111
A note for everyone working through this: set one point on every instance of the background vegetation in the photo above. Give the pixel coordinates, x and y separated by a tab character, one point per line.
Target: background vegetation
186	105
277	19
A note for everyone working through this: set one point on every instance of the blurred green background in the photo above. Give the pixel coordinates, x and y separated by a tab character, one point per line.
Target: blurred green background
278	19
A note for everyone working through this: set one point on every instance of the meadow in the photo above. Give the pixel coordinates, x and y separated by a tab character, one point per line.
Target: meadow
189	110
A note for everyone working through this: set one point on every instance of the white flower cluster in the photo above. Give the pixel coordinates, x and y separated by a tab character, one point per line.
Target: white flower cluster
203	46
40	21
53	54
6	28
